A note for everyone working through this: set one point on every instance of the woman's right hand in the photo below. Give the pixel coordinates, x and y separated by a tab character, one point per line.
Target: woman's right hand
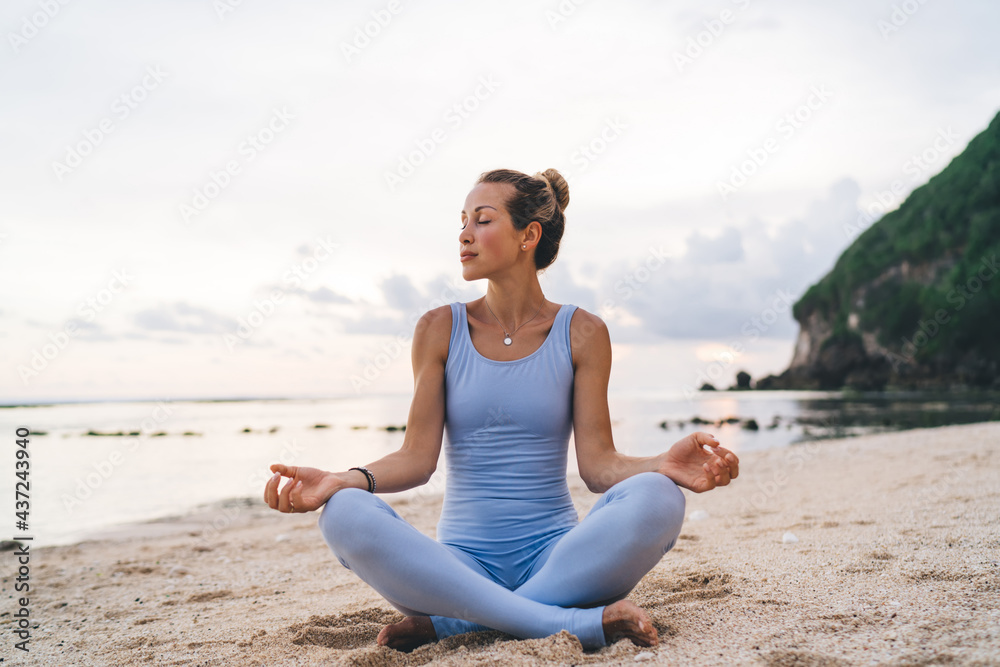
308	489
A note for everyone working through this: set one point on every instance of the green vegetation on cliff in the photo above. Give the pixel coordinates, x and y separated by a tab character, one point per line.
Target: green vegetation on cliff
951	224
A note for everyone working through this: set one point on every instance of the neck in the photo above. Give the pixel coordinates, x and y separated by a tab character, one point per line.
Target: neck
515	304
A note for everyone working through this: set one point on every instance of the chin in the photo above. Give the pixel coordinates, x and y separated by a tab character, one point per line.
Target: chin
471	273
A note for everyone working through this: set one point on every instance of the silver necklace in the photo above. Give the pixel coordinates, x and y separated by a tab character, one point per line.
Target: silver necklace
508	340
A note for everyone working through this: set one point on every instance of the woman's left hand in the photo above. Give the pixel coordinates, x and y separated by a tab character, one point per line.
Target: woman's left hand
689	465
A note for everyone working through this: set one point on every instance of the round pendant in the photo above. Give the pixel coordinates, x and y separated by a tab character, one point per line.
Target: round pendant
507	341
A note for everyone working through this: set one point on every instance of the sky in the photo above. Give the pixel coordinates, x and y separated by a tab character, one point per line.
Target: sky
216	198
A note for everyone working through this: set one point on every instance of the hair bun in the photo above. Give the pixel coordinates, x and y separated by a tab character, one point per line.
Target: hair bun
559	187
539	199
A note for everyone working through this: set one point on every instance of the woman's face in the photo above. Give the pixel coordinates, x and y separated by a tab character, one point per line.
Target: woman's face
487	231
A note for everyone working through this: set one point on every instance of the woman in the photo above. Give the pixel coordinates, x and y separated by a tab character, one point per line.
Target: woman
510	375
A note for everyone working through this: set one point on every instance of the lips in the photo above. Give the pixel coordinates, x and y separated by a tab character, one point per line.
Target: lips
466	256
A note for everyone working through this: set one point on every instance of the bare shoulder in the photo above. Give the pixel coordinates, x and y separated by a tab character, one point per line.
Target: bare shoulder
432	333
589	338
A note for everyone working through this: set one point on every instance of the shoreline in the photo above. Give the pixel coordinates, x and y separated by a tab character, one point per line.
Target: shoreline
219	509
889	390
895	563
753	420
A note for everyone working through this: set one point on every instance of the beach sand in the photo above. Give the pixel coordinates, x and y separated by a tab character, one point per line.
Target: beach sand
897	562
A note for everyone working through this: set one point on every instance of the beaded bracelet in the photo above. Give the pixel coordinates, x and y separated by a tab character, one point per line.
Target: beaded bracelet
371	478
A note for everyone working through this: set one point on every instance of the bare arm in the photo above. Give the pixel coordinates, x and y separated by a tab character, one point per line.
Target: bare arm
413	463
601	465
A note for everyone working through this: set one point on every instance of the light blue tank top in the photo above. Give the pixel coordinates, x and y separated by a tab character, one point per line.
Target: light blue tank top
507	426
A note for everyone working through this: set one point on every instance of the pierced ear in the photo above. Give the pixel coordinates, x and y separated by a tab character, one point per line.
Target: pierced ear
540	227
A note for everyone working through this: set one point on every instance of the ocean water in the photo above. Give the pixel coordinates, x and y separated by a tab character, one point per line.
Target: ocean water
172	457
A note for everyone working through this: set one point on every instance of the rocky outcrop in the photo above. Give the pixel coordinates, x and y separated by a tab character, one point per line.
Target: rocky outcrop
914	302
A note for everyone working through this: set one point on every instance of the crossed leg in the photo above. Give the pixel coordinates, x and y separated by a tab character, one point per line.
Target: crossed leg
419	576
600	560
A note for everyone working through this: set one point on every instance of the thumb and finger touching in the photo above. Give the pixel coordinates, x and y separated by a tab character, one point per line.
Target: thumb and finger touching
288	471
282	500
726	460
721	464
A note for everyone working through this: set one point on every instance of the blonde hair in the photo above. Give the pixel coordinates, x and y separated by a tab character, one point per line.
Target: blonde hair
542	197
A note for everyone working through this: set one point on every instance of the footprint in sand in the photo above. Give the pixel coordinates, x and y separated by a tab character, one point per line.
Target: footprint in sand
344	631
129	568
661	589
786	658
875	561
209	595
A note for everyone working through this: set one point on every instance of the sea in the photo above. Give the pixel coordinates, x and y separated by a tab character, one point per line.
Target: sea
96	466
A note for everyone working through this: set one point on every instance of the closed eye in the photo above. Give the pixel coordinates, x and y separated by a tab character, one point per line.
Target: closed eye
481	222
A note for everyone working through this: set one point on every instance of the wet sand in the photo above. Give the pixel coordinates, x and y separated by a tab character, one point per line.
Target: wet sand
896	561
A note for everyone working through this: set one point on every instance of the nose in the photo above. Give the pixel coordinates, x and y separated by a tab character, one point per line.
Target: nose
465	235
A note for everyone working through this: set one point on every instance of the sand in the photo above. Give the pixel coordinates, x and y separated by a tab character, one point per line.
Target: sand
897	562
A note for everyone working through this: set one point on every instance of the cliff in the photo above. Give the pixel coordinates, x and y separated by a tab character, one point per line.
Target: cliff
914	301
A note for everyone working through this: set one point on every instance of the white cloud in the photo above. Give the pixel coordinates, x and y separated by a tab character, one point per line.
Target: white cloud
728	247
184	318
654	186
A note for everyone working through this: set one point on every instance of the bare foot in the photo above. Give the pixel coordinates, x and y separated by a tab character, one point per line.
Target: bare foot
408	634
626	619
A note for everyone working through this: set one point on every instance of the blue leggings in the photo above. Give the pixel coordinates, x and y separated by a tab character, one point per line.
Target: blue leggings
576	573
